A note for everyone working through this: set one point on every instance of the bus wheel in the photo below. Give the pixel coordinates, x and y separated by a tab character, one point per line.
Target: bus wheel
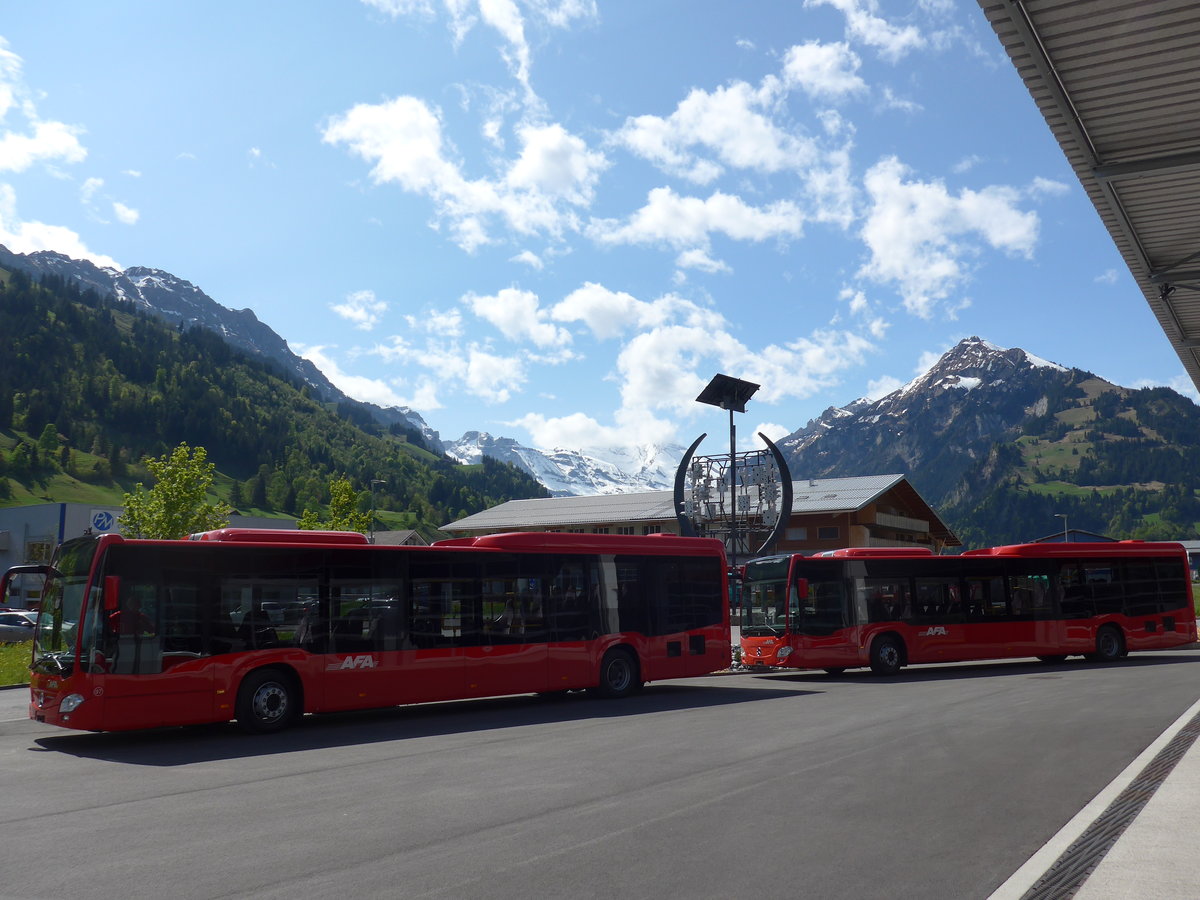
887	655
266	702
618	674
1110	644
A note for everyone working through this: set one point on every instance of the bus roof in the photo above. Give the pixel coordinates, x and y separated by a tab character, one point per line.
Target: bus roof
279	536
562	542
1099	548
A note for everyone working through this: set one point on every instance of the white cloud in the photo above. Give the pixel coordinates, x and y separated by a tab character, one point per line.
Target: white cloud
824	71
362	308
1047	187
48	141
1108	276
125	215
529	258
878	388
662	370
727	122
403	141
519	316
609	314
30	237
606	313
687	222
370	390
698	259
491	377
920	236
399	8
772	430
446	323
863	24
38	141
892	100
89	189
503	16
575	431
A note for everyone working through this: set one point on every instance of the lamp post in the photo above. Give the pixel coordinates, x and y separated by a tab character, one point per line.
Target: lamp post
731	394
374	482
1066	534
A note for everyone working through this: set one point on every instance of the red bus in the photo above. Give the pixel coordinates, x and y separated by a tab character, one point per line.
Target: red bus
264	626
887	608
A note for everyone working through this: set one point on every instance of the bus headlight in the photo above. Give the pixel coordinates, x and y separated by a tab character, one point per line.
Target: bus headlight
70	703
784	652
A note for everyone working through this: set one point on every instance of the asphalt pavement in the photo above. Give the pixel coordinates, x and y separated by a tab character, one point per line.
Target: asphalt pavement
1135	840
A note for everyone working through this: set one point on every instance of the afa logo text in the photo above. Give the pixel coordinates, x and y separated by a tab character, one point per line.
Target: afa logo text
362	661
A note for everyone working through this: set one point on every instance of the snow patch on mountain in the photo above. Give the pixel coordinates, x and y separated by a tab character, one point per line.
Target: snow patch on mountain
566	473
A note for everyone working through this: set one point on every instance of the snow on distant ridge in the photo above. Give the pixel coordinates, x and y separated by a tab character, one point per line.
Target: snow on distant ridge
566	473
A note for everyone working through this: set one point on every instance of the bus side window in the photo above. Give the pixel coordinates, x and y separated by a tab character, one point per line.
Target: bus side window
985	598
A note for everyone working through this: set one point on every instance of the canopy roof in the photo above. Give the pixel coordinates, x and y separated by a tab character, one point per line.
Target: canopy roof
1118	83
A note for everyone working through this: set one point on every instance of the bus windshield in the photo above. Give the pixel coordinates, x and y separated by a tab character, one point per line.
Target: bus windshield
62	604
764	598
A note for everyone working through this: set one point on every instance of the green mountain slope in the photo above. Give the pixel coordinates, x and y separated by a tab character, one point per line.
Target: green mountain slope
89	387
1003	444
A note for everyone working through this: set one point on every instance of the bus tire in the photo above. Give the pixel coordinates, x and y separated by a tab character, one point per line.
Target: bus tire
619	676
887	654
267	701
1110	644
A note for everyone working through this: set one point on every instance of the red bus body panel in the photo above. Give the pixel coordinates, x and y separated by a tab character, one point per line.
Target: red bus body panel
959	641
194	690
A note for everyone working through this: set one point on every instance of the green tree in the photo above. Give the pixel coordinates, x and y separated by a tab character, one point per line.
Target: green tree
343	511
177	505
48	441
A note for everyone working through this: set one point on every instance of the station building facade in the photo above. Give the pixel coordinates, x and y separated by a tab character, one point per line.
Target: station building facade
826	513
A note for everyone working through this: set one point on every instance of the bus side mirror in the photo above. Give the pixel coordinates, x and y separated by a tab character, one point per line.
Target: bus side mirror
802	588
112	591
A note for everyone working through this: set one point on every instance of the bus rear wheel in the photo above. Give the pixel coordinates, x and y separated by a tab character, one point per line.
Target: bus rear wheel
1110	644
887	655
619	675
266	702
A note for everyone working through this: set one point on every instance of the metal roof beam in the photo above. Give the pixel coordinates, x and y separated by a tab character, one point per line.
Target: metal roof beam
1159	165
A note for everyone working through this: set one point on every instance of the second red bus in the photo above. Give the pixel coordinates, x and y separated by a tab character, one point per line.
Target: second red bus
885	609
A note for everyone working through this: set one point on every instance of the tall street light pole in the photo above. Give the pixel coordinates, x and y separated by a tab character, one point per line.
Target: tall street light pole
731	394
1066	534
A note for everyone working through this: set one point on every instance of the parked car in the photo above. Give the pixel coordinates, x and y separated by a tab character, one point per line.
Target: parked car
16	625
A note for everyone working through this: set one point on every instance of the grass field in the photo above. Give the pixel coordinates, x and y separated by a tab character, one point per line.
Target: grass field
14	663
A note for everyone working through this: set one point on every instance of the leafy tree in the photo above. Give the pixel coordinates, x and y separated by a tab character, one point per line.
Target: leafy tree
48	441
176	506
343	511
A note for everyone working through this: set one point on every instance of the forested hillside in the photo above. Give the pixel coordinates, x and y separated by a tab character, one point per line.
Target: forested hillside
1003	444
1114	461
89	387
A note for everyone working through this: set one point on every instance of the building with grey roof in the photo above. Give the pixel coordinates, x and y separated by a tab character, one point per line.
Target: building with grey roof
827	513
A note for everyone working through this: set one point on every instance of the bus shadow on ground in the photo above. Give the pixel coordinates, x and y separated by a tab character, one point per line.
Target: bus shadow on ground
166	747
980	669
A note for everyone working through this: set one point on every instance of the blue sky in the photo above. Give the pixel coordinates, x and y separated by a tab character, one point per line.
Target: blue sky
556	220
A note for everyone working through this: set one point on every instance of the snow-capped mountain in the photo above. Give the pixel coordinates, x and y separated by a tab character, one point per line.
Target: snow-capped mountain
575	473
181	303
936	427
